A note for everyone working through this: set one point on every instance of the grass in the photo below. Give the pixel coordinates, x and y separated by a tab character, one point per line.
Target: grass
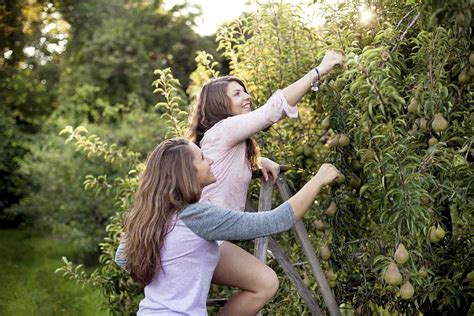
29	285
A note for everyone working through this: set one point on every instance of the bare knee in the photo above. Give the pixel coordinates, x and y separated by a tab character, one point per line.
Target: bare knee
268	284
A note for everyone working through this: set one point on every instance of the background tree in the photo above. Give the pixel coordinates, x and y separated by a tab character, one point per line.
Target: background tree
397	122
89	63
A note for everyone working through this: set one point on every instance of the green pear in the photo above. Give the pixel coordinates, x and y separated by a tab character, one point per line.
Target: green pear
325	252
331	276
464	77
433	237
432	141
319	225
331	210
460	19
334	142
401	255
440	233
439	123
407	291
344	140
341	179
413	106
326	122
318	108
392	275
307	150
422	272
470	276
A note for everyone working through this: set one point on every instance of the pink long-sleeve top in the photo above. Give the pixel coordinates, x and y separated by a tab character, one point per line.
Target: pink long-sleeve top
225	145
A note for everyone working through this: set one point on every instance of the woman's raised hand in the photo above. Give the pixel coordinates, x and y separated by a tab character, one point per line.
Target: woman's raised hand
327	174
269	167
331	59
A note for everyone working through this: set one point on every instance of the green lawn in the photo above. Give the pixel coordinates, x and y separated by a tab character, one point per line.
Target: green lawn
28	284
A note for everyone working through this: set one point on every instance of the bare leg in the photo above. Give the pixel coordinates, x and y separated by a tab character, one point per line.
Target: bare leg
238	268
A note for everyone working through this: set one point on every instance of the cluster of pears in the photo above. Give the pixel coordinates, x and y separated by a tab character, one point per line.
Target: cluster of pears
436	233
393	276
308	153
466	74
339	140
331	277
319	224
439	123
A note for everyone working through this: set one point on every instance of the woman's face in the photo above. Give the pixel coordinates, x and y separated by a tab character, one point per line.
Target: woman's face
203	166
240	100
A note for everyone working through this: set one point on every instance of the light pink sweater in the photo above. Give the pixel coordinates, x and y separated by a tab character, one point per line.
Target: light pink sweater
225	144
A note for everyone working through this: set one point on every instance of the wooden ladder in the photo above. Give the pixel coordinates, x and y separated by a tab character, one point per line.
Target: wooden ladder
263	244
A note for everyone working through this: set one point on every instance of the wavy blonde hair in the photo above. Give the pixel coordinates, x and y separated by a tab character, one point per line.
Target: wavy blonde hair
213	106
168	184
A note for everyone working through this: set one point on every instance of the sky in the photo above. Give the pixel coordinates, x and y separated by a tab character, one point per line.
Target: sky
215	12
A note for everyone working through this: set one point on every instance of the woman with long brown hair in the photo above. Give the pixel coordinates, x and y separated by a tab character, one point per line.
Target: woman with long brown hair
171	246
223	124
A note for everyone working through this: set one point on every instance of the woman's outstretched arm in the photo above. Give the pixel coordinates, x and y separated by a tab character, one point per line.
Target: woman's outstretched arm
216	223
294	92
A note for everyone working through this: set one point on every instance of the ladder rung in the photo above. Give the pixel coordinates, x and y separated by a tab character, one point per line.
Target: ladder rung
218	302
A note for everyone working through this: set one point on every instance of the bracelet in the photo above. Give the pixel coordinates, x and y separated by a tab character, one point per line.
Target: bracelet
315	84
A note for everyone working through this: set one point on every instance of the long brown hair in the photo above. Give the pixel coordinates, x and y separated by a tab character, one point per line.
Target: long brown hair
213	106
168	184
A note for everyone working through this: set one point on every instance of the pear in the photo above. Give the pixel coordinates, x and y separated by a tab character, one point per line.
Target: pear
439	232
432	141
355	182
355	164
308	162
344	140
307	150
464	77
413	106
422	123
470	276
369	155
318	108
326	122
320	225
470	72
471	58
331	210
392	275
422	272
401	255
439	123
433	237
335	141
460	19
332	284
407	290
331	276
341	179
325	252
299	150
306	281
